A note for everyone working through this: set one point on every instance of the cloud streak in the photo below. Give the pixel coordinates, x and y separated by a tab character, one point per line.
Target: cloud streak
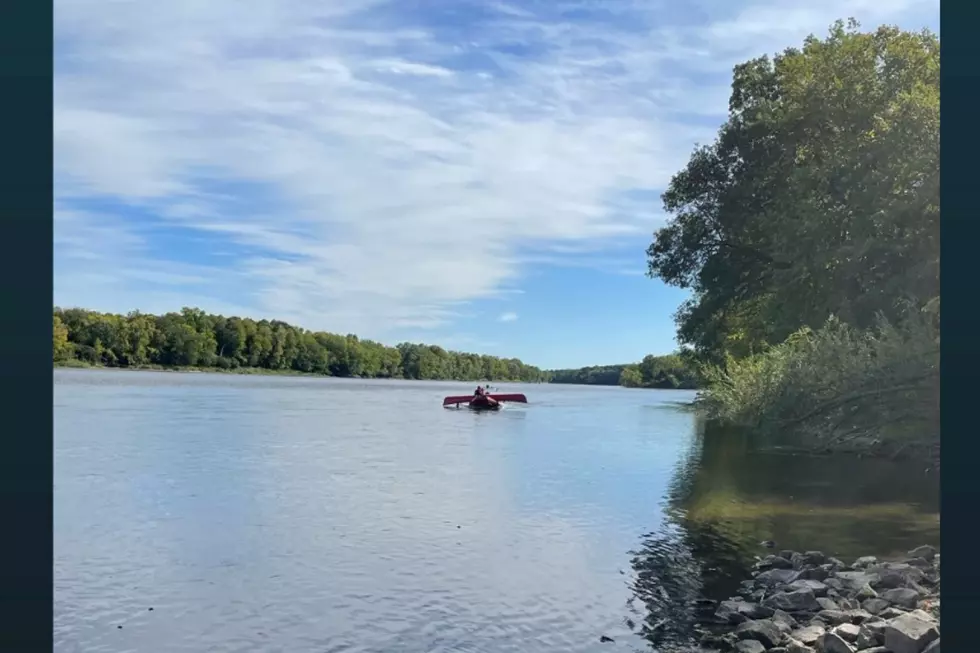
356	166
507	317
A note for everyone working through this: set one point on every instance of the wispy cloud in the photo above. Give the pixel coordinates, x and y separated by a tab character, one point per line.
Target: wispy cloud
507	317
361	166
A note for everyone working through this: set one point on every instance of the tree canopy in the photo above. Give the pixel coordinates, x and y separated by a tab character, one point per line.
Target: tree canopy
193	338
666	372
819	197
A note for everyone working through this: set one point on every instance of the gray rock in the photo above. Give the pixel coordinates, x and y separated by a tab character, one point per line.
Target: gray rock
932	648
875	606
849	604
834	583
780	617
776	562
836	562
876	649
909	634
739	611
855	580
796	601
865	592
903	596
808	635
921	563
777	649
814	573
777	577
794	646
749	646
924	551
848	632
859	616
865	561
788	554
891	612
760	630
818	588
828	604
834	617
892	575
834	643
814	558
867	638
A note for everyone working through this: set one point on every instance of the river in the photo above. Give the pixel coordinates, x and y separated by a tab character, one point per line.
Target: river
199	512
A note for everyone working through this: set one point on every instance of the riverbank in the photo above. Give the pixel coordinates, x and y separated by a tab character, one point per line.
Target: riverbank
812	603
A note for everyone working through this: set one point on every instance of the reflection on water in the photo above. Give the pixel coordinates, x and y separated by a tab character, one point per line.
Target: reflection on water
725	499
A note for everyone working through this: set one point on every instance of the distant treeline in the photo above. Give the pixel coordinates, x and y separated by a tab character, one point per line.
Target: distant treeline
670	371
193	338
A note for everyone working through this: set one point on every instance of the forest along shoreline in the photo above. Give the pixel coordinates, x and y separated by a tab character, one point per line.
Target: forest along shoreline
809	602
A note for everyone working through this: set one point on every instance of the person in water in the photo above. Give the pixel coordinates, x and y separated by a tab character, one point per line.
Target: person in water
479	391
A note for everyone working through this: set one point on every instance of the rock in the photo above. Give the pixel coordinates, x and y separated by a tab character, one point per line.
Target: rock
891	612
854	580
786	553
814	558
808	635
909	634
796	601
848	632
837	563
750	646
866	592
828	604
876	649
815	586
932	648
875	606
777	577
739	611
868	637
780	617
850	604
760	630
892	575
720	642
834	643
903	596
921	563
777	649
865	561
859	616
776	562
794	646
814	573
833	617
834	583
925	551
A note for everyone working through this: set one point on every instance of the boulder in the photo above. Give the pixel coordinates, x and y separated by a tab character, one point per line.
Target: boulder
834	583
902	596
780	617
777	577
814	573
814	558
759	630
828	604
927	552
749	646
866	592
795	601
739	611
775	562
892	575
932	648
808	635
833	617
867	638
909	634
818	588
834	643
854	580
921	563
794	646
788	554
848	632
865	561
875	606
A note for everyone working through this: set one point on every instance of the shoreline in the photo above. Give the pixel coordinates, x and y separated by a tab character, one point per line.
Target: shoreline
813	603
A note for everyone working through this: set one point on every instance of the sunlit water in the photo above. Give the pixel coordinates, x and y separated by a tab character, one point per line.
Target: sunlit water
304	514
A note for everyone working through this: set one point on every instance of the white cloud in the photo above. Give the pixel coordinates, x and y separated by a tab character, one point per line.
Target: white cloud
364	172
507	317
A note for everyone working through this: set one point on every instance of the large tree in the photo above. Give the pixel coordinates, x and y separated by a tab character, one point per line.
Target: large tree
820	195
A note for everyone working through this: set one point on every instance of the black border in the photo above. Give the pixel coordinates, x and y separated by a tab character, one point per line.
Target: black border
961	328
26	591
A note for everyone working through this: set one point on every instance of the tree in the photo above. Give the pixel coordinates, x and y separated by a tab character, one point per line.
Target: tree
62	349
630	377
820	195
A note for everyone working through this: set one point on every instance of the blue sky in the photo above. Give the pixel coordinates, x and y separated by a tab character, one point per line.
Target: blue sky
480	175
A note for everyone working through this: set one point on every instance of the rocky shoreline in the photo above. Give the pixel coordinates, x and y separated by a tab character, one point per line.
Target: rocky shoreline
812	603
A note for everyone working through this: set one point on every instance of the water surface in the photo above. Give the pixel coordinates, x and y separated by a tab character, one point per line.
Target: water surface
306	514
